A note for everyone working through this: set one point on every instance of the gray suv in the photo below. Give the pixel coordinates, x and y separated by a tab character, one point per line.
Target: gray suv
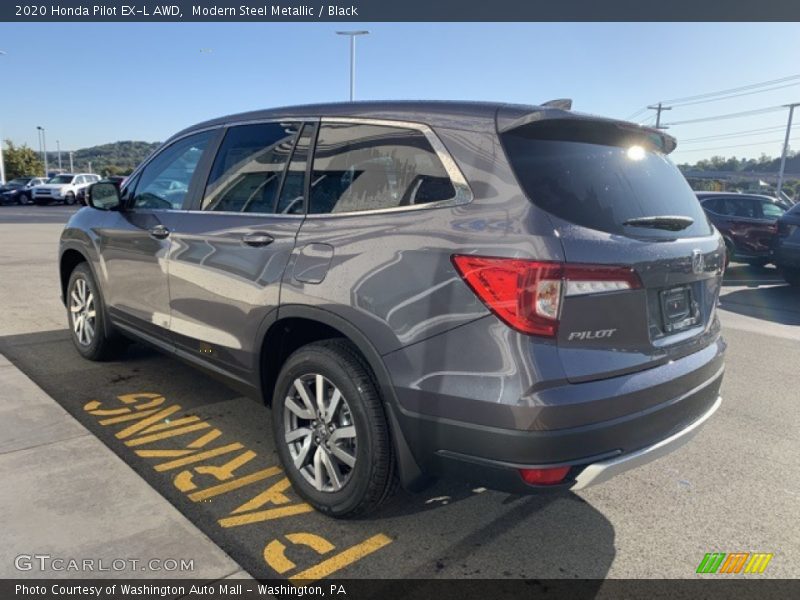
520	295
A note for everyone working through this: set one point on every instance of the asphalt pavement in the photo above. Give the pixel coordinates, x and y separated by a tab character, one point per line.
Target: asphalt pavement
734	488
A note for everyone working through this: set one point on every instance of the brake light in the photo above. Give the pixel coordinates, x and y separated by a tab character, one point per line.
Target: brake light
526	294
544	476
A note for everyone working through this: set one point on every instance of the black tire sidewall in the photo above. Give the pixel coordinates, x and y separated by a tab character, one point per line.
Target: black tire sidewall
69	199
316	359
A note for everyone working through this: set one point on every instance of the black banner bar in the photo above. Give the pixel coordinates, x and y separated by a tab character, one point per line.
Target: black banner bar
398	10
710	587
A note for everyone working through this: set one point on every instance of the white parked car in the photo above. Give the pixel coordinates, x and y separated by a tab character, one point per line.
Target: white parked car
63	188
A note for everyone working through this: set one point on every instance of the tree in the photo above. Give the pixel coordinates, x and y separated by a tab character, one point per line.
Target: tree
21	161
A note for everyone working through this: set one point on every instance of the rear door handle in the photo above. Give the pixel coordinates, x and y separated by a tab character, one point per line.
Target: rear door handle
159	232
257	240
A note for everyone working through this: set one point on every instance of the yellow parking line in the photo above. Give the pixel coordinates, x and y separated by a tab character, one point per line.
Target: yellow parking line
146	439
341	560
265	515
181	462
233	485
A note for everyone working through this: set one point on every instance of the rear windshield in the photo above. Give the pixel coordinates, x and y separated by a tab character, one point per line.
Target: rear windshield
601	176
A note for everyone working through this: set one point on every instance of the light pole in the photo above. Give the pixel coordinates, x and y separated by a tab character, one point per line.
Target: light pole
71	170
2	160
58	149
785	148
352	35
44	148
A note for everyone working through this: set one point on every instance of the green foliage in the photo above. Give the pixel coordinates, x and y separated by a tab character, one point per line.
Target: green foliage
21	161
117	158
762	164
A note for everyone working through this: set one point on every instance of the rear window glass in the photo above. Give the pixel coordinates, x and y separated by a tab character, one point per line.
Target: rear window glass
599	177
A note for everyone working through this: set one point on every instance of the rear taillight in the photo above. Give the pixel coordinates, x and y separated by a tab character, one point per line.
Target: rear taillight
526	294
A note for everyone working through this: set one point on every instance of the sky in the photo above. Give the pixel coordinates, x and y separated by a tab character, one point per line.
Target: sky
94	83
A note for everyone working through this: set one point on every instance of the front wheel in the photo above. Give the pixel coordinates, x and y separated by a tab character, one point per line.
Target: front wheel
331	432
91	332
69	199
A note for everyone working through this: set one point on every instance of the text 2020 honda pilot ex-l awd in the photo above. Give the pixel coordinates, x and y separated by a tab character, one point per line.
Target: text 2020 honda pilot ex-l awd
524	295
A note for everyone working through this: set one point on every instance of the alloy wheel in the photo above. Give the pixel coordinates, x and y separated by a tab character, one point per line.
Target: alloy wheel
320	432
83	312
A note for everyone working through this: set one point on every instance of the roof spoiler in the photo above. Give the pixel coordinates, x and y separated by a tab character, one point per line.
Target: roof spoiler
562	103
513	117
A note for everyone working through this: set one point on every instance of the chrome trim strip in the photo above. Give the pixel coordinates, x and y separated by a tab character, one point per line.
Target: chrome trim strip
463	195
605	470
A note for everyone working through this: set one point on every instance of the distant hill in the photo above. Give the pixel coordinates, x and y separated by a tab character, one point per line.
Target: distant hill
116	158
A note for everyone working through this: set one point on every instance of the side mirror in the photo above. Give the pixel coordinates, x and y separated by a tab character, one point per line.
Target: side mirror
103	196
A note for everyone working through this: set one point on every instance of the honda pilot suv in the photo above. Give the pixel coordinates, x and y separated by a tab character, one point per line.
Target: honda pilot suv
520	295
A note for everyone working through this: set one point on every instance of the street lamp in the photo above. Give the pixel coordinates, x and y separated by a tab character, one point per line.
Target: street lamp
44	148
2	160
58	150
352	35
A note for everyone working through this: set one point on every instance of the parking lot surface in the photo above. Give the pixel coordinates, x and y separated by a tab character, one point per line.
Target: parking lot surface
206	449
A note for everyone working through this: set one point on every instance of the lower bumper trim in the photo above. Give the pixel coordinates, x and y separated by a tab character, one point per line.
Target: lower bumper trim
602	471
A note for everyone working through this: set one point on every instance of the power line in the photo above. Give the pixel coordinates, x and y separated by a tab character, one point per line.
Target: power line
745	133
687	99
732	90
737	146
779	87
735	115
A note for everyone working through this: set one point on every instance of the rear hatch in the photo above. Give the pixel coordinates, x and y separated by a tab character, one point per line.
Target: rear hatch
615	199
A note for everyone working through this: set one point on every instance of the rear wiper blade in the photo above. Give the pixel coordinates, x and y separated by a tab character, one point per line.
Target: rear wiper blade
668	222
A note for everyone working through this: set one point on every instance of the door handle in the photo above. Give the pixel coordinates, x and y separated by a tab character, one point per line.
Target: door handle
257	240
159	232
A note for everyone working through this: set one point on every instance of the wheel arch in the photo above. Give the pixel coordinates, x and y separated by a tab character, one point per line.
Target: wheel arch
70	258
316	324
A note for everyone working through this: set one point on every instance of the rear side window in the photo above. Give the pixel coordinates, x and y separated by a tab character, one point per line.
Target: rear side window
249	166
359	167
599	177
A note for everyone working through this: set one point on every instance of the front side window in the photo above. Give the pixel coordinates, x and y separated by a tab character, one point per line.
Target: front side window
360	167
164	182
249	166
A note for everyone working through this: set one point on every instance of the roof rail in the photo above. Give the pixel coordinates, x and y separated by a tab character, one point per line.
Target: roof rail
562	103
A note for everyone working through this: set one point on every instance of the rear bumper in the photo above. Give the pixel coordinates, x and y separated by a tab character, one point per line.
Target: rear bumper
602	471
485	431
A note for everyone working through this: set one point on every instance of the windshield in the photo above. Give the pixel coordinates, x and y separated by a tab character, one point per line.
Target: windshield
598	177
19	181
62	179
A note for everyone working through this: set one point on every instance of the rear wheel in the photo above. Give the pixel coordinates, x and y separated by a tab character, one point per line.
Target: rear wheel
91	332
792	276
331	432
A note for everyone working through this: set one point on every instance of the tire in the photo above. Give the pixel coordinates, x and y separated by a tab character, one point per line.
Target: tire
359	487
25	199
69	199
95	340
792	276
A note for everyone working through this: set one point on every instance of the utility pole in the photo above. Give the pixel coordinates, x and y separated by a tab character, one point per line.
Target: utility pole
44	149
90	166
785	148
658	108
71	170
41	153
2	160
58	149
352	35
